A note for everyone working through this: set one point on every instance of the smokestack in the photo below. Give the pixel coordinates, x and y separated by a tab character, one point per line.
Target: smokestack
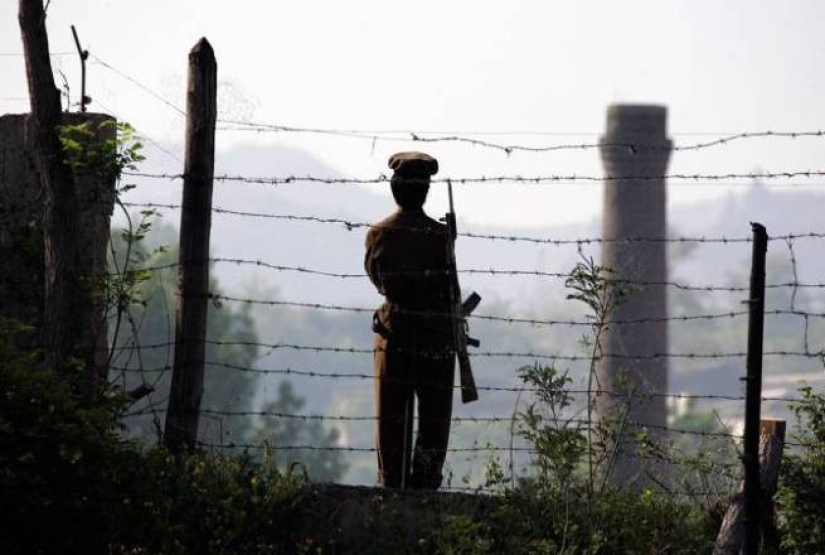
635	151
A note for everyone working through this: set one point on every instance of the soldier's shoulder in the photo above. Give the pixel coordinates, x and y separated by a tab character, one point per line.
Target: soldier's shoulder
378	228
387	223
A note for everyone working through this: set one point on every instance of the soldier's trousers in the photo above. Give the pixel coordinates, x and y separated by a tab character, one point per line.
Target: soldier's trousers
401	375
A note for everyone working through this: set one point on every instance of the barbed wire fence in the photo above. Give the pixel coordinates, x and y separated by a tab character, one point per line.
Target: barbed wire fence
792	310
126	358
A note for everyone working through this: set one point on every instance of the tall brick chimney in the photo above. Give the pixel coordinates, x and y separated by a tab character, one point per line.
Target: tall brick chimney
635	148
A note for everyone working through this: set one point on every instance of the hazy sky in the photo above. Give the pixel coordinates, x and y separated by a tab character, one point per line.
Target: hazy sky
463	66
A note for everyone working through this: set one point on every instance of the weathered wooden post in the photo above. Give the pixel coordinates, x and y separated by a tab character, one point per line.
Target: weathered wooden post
753	389
196	218
732	533
741	527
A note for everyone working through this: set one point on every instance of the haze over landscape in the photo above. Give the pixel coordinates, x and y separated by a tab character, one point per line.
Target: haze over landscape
335	248
526	73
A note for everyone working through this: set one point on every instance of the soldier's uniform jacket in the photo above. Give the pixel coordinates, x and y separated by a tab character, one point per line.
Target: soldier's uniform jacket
406	260
414	359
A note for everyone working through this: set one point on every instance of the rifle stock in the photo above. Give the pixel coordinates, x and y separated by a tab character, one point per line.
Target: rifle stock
469	393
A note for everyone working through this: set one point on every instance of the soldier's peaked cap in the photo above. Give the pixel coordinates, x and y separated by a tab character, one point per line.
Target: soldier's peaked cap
413	164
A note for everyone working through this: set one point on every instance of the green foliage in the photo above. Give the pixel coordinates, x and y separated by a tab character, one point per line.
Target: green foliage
103	150
195	503
140	303
707	462
530	522
22	271
54	444
802	482
69	484
578	517
599	289
560	443
563	506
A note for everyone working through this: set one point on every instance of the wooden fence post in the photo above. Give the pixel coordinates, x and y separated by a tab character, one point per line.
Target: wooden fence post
196	218
741	527
732	533
753	390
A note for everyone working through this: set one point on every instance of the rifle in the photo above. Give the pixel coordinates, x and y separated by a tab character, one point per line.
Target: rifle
460	310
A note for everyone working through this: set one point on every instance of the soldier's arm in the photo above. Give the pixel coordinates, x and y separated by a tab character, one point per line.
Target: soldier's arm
372	255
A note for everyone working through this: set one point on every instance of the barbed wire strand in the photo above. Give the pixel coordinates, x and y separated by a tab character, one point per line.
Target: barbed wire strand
423	352
489	388
139	85
687	178
441	137
519	179
477	271
349	225
218	298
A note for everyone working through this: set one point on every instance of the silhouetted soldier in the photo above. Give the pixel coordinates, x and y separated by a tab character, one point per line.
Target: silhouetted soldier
406	259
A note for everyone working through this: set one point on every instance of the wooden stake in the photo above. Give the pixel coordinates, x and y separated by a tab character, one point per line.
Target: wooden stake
732	533
196	217
753	390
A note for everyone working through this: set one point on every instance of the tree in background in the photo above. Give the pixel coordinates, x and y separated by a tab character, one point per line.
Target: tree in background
279	429
145	350
142	325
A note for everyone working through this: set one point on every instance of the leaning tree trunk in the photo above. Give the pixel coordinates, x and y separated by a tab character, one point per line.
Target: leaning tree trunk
66	298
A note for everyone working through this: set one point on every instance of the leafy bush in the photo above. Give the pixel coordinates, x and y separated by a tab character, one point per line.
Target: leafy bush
567	505
558	510
204	504
55	448
802	482
70	484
